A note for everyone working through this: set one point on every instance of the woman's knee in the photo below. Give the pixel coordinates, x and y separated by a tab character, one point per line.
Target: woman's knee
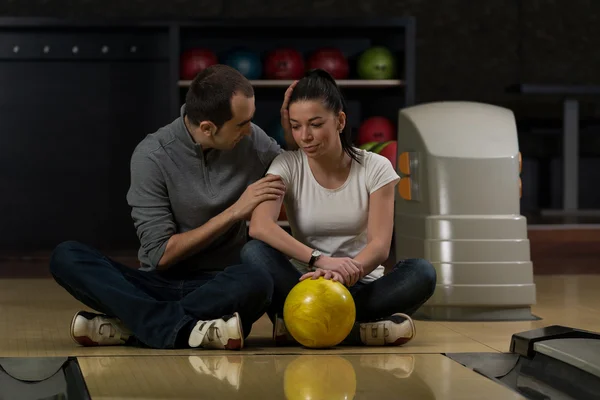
429	275
260	254
253	251
425	274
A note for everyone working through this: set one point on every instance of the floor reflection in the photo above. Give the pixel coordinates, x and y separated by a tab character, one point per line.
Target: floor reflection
274	377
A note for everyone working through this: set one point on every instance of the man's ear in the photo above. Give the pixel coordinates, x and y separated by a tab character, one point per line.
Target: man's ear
207	128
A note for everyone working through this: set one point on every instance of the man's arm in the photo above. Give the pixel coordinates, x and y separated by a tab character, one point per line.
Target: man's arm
161	244
183	245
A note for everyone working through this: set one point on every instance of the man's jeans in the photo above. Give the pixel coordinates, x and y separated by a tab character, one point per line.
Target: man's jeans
404	289
160	310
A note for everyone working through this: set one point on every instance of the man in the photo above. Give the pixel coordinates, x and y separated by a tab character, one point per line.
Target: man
194	183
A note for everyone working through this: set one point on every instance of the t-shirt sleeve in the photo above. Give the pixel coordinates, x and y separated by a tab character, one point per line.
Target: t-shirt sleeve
150	208
379	172
283	166
265	146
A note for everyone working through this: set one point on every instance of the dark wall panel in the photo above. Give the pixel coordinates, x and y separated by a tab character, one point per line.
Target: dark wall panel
67	130
465	50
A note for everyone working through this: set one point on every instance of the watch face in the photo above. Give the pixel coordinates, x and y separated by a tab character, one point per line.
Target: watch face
316	253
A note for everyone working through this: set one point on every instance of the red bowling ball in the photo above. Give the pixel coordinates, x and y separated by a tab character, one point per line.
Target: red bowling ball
331	60
284	64
376	129
194	61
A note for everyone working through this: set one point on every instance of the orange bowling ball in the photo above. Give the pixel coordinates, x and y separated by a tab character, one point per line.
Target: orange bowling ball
319	313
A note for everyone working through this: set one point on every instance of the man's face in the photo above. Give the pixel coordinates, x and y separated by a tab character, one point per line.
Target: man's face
238	126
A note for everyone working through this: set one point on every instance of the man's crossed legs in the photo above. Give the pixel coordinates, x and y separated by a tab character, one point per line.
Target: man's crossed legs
146	308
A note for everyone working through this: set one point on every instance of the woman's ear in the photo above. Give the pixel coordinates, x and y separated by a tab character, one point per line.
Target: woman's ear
341	121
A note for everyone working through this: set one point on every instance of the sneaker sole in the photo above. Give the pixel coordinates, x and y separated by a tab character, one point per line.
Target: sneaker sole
236	344
81	340
404	340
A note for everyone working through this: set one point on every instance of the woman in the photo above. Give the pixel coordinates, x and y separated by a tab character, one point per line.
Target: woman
340	205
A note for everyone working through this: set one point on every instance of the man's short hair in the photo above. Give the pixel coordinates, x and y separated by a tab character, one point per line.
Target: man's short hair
209	95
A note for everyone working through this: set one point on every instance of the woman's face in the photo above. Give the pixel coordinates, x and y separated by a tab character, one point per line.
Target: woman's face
316	129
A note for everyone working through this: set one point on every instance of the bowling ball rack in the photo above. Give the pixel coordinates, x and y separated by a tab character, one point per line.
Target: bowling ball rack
350	37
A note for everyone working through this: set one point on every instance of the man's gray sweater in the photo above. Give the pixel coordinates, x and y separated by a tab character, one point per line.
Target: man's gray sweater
176	188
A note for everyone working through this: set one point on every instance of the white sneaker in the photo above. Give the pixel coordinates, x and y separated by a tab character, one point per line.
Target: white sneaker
396	330
281	336
224	333
90	329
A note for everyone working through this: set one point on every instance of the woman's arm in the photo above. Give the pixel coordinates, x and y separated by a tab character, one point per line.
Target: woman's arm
379	228
264	227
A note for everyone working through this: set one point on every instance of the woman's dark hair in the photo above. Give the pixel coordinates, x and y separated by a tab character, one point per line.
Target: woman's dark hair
318	84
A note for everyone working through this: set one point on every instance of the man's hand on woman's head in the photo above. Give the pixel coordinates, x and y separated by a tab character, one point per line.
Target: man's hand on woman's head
285	117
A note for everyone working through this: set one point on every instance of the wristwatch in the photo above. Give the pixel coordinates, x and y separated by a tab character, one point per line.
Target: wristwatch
314	256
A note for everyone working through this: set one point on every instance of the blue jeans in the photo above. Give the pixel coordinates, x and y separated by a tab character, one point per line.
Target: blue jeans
160	308
404	289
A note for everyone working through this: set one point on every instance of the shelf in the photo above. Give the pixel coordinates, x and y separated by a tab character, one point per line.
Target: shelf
357	83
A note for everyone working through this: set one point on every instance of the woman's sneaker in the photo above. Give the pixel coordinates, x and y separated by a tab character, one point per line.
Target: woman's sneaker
281	336
90	329
395	330
223	333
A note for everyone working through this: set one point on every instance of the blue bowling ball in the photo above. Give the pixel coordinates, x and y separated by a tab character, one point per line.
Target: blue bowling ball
247	62
277	133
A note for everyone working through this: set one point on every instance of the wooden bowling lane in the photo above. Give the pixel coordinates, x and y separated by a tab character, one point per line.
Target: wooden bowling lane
233	376
35	315
569	300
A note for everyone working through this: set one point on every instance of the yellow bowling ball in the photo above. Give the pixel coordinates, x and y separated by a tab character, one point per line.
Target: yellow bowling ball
319	313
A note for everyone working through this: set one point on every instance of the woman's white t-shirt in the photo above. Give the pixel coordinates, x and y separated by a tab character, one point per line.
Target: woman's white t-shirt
333	221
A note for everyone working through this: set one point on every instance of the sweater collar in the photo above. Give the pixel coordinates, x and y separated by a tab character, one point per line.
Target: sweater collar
183	134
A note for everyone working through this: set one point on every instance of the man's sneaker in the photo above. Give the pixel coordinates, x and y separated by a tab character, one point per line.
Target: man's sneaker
90	329
224	333
281	336
394	330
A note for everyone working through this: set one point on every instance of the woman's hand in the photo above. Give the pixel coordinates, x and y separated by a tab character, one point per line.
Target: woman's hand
327	274
350	270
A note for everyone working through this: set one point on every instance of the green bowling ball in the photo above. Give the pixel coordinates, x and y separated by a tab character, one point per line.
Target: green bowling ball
369	146
376	63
